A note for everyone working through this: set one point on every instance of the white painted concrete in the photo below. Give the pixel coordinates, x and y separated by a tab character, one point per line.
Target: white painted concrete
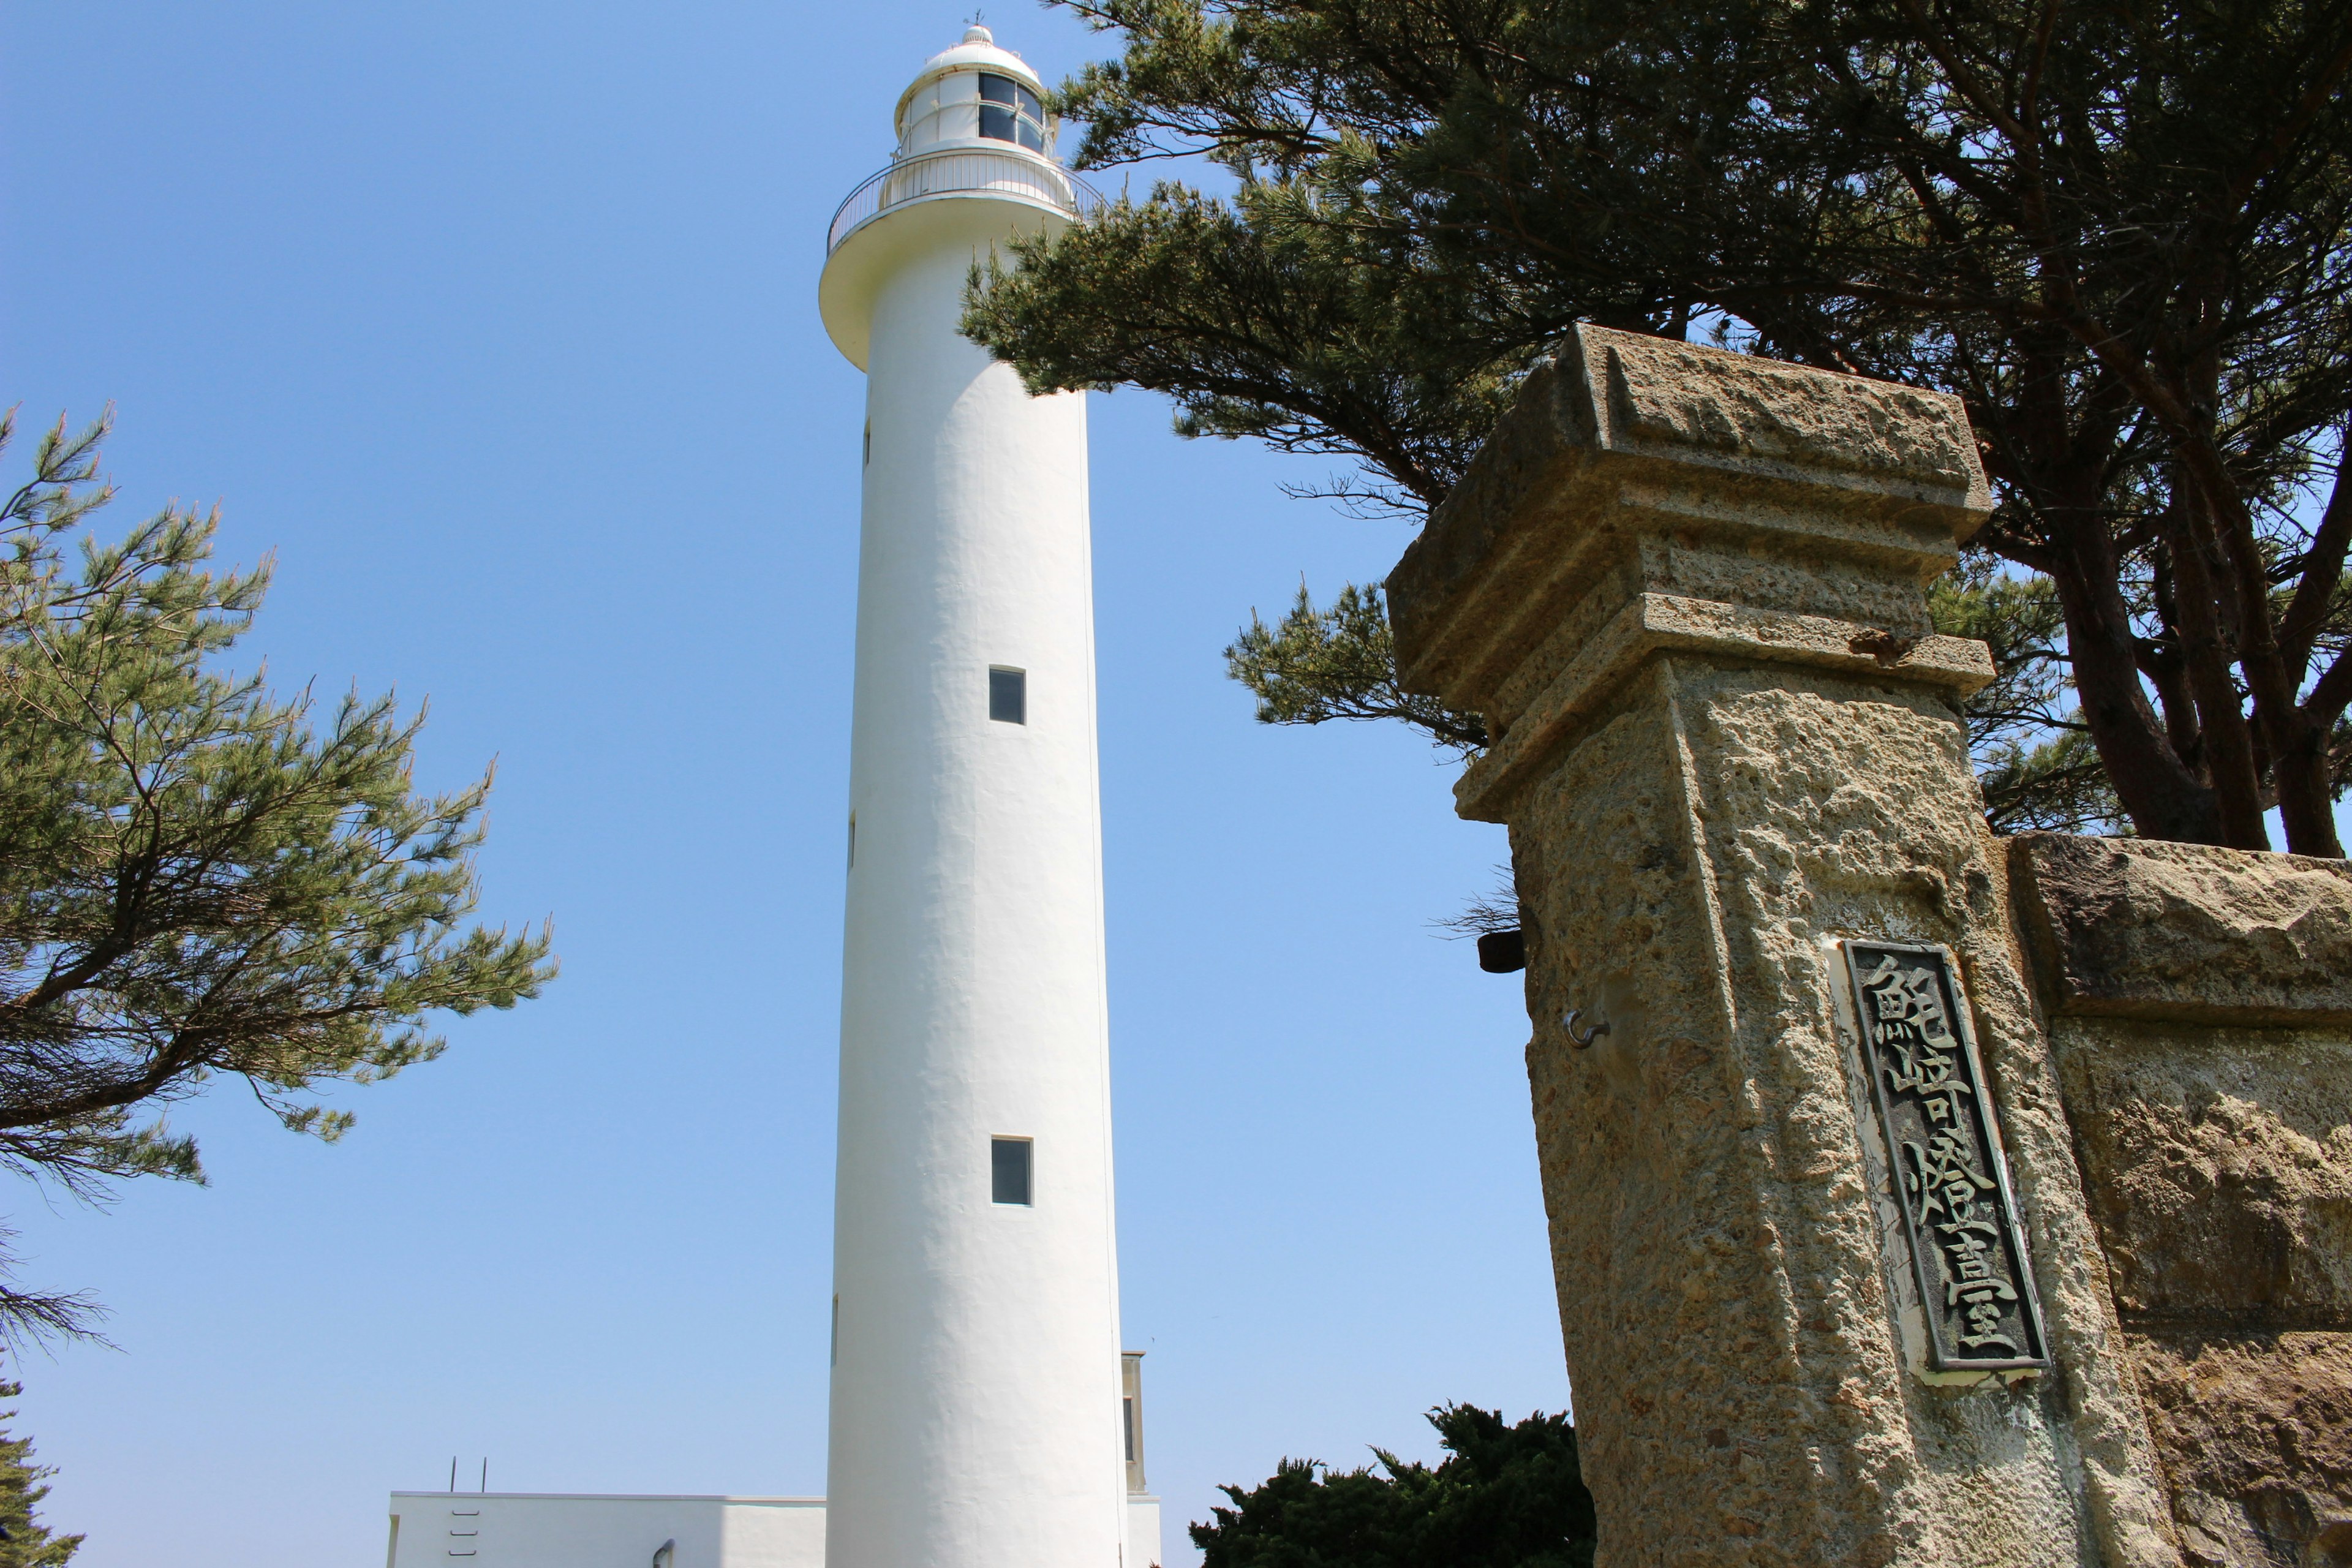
527	1530
1143	1531
975	1404
573	1530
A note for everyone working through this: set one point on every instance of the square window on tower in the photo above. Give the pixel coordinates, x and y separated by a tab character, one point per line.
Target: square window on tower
1008	1170
1008	694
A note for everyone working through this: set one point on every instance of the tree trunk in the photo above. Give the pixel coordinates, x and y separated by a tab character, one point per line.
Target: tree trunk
2221	712
2300	770
2161	797
2298	748
2166	668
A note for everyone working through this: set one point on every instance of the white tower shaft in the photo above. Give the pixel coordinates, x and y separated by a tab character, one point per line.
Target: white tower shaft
975	1406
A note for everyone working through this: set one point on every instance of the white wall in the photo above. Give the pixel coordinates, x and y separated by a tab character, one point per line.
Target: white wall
527	1530
976	1405
522	1529
1143	1548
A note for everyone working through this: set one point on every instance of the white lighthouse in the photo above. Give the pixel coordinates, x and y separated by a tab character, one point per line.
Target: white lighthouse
977	1397
983	1414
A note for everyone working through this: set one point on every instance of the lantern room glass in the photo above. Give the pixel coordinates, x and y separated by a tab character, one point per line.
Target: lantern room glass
1009	111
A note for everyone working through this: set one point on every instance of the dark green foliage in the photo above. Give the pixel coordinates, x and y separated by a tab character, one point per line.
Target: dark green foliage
196	879
1219	303
2034	757
1505	1497
2122	233
26	1543
1338	663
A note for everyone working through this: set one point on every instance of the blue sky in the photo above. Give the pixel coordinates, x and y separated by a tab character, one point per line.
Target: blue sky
496	325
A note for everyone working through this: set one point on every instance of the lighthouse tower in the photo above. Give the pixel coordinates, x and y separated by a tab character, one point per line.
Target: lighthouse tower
977	1396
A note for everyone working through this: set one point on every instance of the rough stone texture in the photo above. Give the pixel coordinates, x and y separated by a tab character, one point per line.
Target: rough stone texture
2197	1002
1651	623
2130	929
1685	589
1805	513
2219	1163
1675	394
2254	1429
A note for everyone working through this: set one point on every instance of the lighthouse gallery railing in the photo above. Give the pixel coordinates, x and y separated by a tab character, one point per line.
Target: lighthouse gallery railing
950	173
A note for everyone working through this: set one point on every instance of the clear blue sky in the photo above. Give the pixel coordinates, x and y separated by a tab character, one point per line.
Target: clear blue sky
496	323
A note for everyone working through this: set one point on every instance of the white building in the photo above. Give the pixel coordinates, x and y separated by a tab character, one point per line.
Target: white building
982	1414
520	1530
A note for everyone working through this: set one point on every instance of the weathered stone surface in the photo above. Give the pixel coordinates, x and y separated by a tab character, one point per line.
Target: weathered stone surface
1742	1391
1653	623
2131	928
1727	738
1755	409
1684	589
2256	1430
2220	1165
2218	1162
1683	470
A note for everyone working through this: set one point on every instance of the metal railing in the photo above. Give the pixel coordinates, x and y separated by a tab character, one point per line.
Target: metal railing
950	173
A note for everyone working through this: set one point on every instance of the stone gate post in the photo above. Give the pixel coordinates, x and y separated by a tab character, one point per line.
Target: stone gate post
1830	1291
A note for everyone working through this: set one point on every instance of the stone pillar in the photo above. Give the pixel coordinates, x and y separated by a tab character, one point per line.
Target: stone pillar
1685	588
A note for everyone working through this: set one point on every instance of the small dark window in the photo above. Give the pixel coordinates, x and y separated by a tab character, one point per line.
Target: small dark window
995	123
1127	1405
1008	1170
1008	695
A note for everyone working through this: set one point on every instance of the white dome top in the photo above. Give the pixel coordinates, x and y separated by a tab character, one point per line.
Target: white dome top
977	52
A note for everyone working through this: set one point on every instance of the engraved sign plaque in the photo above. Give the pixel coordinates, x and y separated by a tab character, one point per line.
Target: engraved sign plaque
1942	1139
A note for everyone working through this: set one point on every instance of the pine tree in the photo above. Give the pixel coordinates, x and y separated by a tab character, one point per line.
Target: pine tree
2120	232
24	1542
197	880
1504	1497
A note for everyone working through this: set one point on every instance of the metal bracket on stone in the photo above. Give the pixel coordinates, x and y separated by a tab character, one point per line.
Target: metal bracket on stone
1503	951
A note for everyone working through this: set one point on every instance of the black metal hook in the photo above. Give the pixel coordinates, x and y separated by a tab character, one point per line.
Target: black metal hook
1590	1034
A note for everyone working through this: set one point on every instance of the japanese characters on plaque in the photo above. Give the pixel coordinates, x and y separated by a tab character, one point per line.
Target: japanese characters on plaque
1944	1143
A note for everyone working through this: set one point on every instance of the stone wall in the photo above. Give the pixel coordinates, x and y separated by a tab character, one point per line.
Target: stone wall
2198	1001
1914	1197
